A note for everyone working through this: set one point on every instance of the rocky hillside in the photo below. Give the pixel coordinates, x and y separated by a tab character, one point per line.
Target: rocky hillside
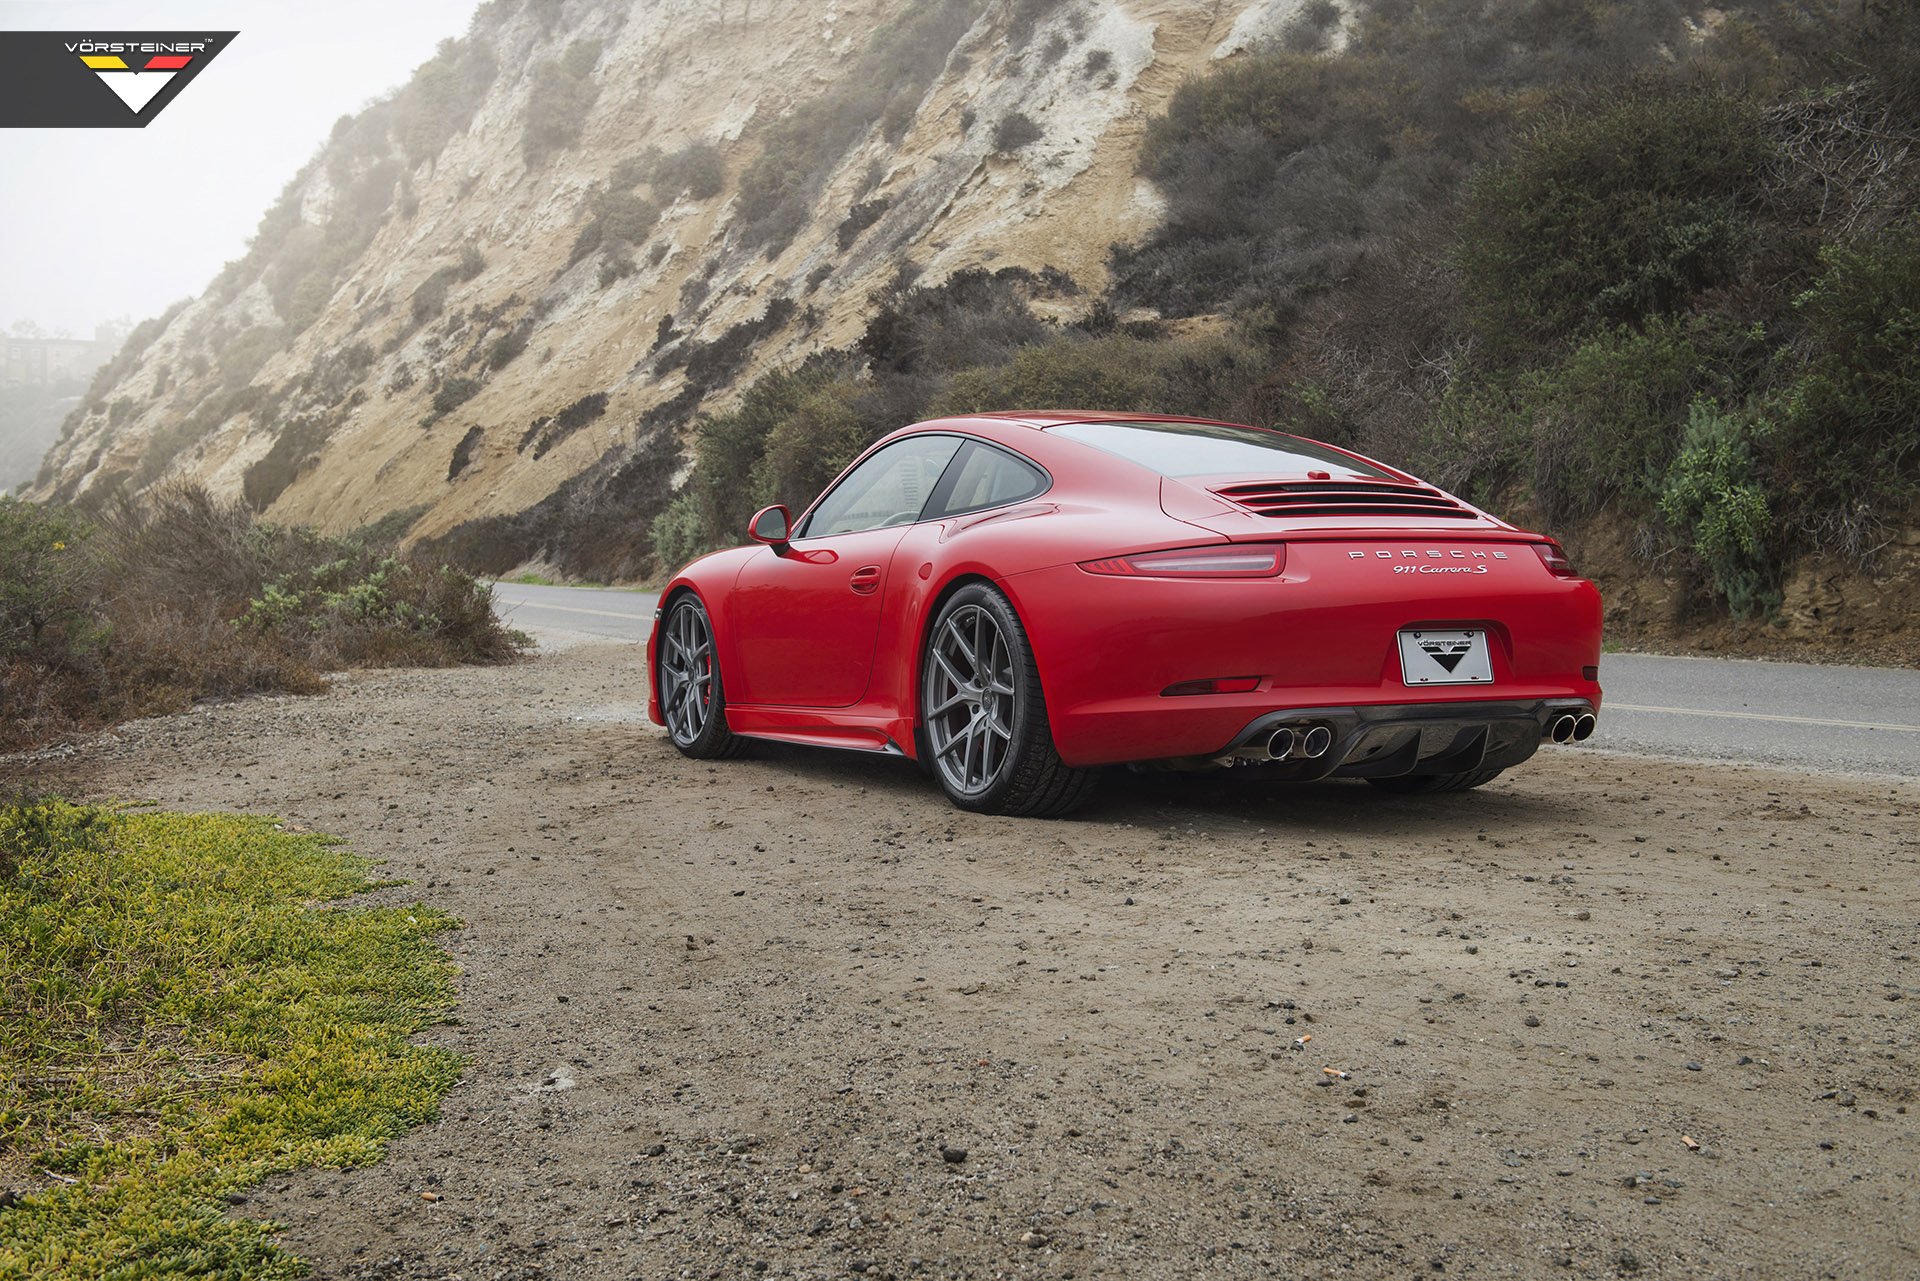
585	219
606	275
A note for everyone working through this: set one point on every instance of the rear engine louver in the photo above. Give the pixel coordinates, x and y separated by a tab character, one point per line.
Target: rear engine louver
1342	498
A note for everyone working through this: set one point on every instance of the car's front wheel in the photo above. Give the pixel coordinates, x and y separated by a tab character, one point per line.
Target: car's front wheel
985	714
691	698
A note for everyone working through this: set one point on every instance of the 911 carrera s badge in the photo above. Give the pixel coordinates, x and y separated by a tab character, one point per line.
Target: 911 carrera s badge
1445	658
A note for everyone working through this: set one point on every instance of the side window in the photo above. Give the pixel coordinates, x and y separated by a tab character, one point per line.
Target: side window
986	477
889	488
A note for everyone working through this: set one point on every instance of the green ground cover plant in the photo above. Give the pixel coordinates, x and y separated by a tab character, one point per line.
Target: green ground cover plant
188	1008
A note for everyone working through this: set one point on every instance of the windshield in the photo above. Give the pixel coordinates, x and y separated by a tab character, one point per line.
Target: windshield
1211	449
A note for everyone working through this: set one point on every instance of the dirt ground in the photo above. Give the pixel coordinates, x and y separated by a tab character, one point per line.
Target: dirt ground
743	1019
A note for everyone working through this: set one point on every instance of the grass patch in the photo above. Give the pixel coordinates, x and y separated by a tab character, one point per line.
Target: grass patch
182	1018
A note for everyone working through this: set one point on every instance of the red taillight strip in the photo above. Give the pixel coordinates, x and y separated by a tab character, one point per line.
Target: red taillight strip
1555	560
1225	560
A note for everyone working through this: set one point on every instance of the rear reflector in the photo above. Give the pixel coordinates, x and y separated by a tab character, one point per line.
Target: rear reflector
1225	560
1218	685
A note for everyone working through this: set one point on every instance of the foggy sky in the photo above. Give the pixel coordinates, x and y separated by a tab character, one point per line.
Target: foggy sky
97	223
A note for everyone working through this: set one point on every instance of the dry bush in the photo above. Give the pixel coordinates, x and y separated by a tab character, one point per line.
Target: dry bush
190	598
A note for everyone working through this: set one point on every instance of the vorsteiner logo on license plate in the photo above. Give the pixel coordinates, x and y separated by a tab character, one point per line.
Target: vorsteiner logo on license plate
1445	658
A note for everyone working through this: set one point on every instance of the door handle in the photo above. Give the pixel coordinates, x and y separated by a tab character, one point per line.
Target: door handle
866	579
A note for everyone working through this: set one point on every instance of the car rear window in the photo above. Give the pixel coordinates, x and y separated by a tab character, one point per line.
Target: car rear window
1211	449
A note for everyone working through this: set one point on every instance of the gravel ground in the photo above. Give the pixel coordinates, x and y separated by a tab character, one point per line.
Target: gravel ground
794	1016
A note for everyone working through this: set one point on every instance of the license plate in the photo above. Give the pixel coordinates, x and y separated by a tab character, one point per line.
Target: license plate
1445	658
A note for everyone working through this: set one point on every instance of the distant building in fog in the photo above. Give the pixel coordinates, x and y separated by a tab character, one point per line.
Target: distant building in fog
52	360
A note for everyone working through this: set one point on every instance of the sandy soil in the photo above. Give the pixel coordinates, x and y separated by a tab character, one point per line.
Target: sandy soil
743	1020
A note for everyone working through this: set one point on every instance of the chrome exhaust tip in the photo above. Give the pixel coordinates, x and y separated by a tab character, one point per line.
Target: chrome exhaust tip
1583	726
1315	742
1561	729
1280	744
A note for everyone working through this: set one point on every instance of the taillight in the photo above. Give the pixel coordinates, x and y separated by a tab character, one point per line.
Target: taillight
1555	560
1223	560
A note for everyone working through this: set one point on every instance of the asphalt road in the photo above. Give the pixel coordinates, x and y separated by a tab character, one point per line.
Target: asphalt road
1857	720
558	616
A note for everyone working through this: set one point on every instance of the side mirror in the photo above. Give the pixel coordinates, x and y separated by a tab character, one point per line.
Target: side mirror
771	525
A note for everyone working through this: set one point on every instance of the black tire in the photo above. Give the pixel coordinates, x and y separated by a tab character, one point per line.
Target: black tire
1429	784
985	715
688	678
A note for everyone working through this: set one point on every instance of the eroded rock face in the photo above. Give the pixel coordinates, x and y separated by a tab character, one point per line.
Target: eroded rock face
397	301
1826	597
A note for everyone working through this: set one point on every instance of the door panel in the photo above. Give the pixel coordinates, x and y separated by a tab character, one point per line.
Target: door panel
804	622
805	615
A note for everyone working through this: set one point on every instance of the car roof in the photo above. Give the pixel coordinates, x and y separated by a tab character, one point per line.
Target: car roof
1040	419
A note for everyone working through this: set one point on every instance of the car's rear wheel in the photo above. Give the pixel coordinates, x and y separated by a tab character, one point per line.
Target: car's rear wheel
1428	784
985	714
691	698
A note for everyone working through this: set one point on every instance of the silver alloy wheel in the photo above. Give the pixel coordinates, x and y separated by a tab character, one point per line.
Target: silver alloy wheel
970	700
686	672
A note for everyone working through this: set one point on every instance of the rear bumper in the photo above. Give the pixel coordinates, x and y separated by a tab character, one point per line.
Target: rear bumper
1321	637
1390	739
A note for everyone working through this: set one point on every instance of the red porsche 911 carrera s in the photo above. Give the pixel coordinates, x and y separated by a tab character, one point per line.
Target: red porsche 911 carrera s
1017	600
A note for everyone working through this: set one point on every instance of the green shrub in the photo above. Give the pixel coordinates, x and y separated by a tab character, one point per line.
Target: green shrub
453	393
679	532
974	317
562	94
1850	419
241	357
625	216
309	299
295	446
1014	131
1114	373
384	533
1613	212
697	171
509	345
615	267
1282	170
48	568
362	607
1711	492
1601	422
430	298
545	432
442	96
816	429
171	439
863	215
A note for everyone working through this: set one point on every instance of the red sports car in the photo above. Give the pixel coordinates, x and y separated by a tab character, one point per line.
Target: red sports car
1017	600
